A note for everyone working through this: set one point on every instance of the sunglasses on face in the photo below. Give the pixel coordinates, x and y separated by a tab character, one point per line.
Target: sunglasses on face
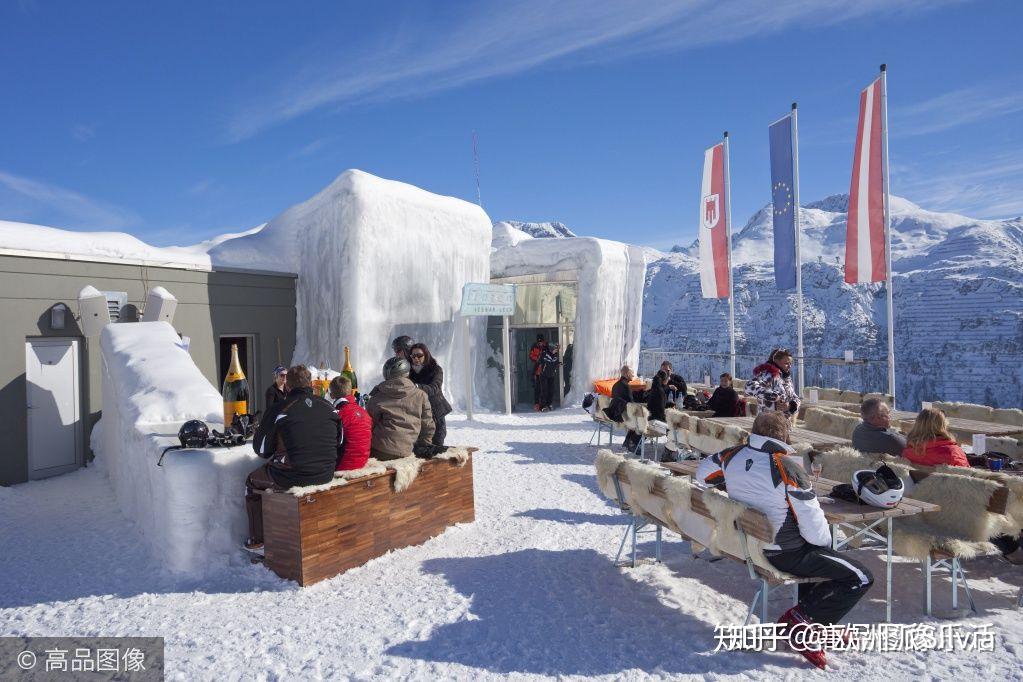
417	355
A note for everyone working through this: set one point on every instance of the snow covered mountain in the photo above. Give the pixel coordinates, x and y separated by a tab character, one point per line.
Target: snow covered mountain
551	230
958	305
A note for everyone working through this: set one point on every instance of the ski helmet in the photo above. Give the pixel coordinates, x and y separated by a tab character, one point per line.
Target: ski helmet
882	488
396	367
194	434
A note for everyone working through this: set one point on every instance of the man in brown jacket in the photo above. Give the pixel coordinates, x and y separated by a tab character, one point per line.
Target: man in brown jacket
400	411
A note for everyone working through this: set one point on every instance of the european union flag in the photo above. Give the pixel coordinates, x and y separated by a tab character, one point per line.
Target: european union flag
783	198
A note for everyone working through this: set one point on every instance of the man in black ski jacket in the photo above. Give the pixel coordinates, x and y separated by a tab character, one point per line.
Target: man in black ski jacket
621	396
300	436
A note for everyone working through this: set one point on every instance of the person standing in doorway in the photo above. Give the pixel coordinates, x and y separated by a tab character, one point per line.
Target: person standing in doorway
534	357
548	375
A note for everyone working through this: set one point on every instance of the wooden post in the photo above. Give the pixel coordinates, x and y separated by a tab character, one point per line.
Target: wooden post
468	370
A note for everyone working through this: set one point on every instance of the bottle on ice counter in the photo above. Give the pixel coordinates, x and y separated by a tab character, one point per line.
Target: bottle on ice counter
236	389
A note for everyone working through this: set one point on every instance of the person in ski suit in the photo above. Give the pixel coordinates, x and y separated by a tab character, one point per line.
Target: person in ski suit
548	375
534	356
772	384
357	426
767	474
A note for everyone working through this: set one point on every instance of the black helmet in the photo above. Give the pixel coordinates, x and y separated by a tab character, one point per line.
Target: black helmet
396	367
194	434
402	344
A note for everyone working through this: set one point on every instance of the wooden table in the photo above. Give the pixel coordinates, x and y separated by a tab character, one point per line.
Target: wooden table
818	441
861	519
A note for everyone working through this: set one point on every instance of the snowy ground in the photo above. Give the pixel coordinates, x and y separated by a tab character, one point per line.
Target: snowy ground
528	590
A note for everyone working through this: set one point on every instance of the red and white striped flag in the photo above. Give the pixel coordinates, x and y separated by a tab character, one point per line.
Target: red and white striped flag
714	228
864	235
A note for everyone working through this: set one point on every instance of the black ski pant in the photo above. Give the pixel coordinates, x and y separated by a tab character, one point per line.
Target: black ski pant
826	602
536	390
547	385
440	430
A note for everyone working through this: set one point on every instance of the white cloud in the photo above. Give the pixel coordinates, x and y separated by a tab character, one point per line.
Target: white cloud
83	132
24	199
488	40
990	187
959	107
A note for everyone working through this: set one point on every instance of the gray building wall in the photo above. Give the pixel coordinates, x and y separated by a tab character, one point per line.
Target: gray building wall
210	305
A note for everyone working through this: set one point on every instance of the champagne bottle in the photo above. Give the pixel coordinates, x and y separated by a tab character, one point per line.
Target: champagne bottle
349	372
236	389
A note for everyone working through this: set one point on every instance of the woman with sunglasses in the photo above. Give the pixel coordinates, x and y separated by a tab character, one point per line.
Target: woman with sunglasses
428	375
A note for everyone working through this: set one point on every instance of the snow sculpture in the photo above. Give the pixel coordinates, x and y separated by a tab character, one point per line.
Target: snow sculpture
375	259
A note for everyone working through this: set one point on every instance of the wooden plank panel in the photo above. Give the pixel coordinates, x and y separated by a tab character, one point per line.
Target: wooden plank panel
317	536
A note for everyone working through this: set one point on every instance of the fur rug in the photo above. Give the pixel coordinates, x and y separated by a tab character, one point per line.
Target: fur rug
962	526
966	410
303	490
372	467
833	422
639	493
1014	504
607	464
406	469
840	463
725	538
459	455
1008	415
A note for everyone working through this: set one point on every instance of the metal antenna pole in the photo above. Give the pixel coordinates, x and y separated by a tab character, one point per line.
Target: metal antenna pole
476	168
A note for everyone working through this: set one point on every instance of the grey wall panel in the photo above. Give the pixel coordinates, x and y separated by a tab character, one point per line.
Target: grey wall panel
211	304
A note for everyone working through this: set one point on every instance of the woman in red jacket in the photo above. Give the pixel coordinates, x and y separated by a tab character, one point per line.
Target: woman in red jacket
930	443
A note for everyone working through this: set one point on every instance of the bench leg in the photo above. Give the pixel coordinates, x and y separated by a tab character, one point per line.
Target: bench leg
1019	601
966	586
753	605
927	585
765	592
955	583
621	547
795	594
657	545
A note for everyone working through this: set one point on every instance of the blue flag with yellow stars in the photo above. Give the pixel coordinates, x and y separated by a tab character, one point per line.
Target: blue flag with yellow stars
783	200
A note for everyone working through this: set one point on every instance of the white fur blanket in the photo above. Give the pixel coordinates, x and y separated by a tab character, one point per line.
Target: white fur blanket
406	469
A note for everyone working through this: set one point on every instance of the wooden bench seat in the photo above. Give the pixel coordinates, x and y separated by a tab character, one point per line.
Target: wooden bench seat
317	536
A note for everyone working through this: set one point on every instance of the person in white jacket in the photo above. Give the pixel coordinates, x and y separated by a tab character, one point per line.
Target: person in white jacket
767	475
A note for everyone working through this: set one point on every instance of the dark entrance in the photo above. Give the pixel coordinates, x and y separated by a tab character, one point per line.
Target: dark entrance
522	379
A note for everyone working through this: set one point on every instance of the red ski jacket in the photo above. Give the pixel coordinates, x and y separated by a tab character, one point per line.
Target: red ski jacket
357	435
942	451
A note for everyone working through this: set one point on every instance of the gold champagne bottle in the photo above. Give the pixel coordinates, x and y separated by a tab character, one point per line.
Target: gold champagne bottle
349	372
236	389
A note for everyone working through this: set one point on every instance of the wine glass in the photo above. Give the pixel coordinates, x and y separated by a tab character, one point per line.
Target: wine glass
816	467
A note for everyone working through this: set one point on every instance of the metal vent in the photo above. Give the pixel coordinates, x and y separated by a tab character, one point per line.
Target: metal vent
116	300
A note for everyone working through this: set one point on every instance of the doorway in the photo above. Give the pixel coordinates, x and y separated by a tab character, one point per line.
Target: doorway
522	367
53	392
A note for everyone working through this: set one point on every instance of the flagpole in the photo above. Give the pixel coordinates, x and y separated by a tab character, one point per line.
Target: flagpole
887	233
799	260
728	239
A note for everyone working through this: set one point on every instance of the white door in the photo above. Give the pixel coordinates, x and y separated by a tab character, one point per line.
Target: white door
54	411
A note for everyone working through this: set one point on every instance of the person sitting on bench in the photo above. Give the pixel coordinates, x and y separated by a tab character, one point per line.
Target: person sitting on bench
621	396
356	424
402	418
874	433
767	475
300	437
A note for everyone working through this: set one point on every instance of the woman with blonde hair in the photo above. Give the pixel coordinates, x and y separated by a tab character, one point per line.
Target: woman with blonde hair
930	443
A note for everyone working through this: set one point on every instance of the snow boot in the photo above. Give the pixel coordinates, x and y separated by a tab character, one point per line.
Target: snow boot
253	546
795	617
536	407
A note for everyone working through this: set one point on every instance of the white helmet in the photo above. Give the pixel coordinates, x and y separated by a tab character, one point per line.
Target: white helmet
882	488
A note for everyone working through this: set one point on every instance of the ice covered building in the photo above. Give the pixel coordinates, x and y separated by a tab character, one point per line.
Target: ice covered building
585	294
363	261
50	372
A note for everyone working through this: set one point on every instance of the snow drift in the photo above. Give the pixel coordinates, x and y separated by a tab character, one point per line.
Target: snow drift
610	278
190	510
376	259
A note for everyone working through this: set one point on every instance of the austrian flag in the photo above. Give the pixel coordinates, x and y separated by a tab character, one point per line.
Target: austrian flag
864	236
714	266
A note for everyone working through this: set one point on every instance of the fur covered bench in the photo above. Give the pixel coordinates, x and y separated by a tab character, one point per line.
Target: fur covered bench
317	532
705	517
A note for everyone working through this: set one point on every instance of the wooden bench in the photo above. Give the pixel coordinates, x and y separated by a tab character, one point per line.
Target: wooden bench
317	536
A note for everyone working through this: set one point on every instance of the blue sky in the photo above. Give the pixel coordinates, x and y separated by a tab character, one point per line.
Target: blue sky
177	121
